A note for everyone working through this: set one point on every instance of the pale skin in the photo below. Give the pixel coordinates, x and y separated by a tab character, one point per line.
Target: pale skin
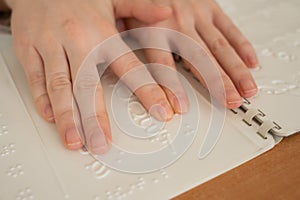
52	38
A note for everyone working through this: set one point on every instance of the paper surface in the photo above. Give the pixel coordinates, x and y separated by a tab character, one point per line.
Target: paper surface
35	165
274	30
77	175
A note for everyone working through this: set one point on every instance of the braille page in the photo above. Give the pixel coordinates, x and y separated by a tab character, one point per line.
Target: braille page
273	27
77	175
26	172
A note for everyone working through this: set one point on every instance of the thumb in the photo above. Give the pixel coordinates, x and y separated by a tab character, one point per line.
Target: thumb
143	10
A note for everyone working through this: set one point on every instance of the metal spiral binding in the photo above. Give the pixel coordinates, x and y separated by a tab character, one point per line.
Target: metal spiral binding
256	116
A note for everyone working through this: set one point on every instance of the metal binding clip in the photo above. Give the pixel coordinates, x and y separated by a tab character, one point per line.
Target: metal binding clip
250	114
246	101
234	111
266	127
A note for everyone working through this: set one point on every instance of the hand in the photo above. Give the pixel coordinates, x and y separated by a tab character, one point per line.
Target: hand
206	23
51	40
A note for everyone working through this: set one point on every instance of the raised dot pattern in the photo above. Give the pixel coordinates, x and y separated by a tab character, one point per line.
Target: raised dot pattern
99	170
25	194
15	171
120	192
3	130
282	87
7	150
283	47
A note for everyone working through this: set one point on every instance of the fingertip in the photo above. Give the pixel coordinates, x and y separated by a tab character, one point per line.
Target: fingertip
248	87
181	105
251	94
166	105
234	104
233	99
72	139
252	60
99	144
161	111
100	150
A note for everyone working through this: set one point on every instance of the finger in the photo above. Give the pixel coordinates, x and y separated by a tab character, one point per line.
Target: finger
228	59
139	80
87	90
34	71
168	79
144	10
90	98
86	82
235	37
60	92
217	78
233	99
159	59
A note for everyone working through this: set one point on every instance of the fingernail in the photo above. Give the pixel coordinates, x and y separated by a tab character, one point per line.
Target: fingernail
49	113
248	87
256	67
72	138
159	111
98	143
233	98
180	105
252	60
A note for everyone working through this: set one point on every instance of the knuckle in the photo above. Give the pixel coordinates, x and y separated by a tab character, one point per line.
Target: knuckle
197	56
22	45
40	100
183	19
219	44
88	81
36	78
65	116
69	23
24	41
245	45
46	38
99	116
166	61
181	22
73	28
130	63
197	50
238	68
184	24
58	81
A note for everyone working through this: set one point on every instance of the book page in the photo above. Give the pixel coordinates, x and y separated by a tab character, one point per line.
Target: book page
34	163
274	29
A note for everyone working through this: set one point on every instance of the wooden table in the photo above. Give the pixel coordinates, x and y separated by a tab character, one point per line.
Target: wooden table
273	175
